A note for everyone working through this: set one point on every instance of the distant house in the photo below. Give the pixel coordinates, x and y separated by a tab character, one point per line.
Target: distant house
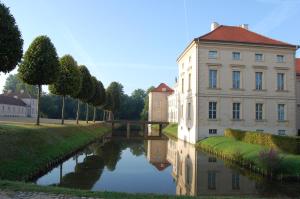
17	104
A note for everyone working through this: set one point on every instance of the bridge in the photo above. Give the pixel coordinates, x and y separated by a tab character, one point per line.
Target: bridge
143	123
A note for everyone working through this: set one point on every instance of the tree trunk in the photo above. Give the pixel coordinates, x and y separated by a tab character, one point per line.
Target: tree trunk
94	117
77	114
87	113
63	110
38	105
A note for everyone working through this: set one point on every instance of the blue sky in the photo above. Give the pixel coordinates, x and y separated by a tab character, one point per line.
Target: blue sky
136	42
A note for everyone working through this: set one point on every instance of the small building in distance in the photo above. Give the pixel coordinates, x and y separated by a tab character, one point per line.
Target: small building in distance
158	103
17	104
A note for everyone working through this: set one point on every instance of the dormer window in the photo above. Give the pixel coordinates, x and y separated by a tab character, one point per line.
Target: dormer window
212	54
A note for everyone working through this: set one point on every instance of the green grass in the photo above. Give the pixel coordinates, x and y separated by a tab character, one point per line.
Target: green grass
29	187
27	148
229	147
171	130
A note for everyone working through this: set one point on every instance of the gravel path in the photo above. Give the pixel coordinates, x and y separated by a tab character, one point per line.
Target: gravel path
36	195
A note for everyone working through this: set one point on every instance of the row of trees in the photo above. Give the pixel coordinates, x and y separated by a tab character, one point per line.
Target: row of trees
41	66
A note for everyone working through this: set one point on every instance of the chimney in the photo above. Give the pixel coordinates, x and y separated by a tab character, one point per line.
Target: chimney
245	26
213	26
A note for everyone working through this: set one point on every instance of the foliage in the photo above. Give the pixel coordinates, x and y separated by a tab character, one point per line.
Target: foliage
40	64
87	90
15	84
99	95
20	156
114	95
284	143
11	42
270	160
144	114
68	80
227	147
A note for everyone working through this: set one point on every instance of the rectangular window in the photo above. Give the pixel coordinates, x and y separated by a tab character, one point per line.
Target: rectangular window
281	132
235	181
280	81
236	111
212	110
212	54
259	111
189	111
190	79
236	55
280	110
211	180
182	111
212	131
212	159
280	58
258	80
212	78
236	79
258	57
182	85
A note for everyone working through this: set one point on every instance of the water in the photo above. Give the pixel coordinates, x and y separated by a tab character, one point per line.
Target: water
162	166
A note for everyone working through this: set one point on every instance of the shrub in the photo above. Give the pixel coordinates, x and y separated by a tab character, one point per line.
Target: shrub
270	160
284	143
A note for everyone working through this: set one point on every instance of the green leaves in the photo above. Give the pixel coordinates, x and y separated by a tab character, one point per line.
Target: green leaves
87	86
40	63
68	80
11	42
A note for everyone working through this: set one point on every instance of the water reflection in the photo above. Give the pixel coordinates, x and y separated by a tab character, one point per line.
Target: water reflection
158	166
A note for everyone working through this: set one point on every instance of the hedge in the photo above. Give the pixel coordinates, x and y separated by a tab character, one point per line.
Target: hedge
283	143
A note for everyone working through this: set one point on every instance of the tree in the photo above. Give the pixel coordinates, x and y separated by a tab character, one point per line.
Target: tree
86	91
40	66
11	42
114	93
15	84
68	81
99	97
144	114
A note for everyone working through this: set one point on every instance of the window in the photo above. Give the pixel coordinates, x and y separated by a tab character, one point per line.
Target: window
212	159
189	111
259	111
281	132
190	81
258	57
258	80
182	85
236	111
280	112
212	78
236	55
212	131
212	110
280	58
211	180
190	58
212	54
236	79
280	81
235	181
182	111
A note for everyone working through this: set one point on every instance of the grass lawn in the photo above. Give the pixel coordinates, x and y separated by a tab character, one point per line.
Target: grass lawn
171	130
229	147
29	187
26	148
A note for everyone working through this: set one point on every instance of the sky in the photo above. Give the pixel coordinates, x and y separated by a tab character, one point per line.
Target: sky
137	42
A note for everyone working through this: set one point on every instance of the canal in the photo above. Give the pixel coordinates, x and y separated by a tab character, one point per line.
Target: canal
163	166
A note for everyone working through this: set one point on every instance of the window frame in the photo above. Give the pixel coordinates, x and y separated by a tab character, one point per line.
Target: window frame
281	112
258	86
236	110
212	54
213	78
259	60
234	55
212	110
259	111
236	83
280	60
280	82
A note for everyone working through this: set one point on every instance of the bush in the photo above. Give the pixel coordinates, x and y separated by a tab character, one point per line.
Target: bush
270	160
283	143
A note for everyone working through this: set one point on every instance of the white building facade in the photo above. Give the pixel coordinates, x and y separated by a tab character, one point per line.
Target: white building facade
235	78
173	100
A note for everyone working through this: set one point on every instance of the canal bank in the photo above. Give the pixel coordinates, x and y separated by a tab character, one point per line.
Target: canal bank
27	150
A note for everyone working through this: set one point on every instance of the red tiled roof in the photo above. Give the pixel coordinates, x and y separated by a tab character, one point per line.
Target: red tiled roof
240	35
297	66
11	101
162	88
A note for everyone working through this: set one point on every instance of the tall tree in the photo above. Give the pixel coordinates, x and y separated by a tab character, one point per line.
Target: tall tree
15	84
99	97
11	42
144	114
86	91
114	93
40	66
68	81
